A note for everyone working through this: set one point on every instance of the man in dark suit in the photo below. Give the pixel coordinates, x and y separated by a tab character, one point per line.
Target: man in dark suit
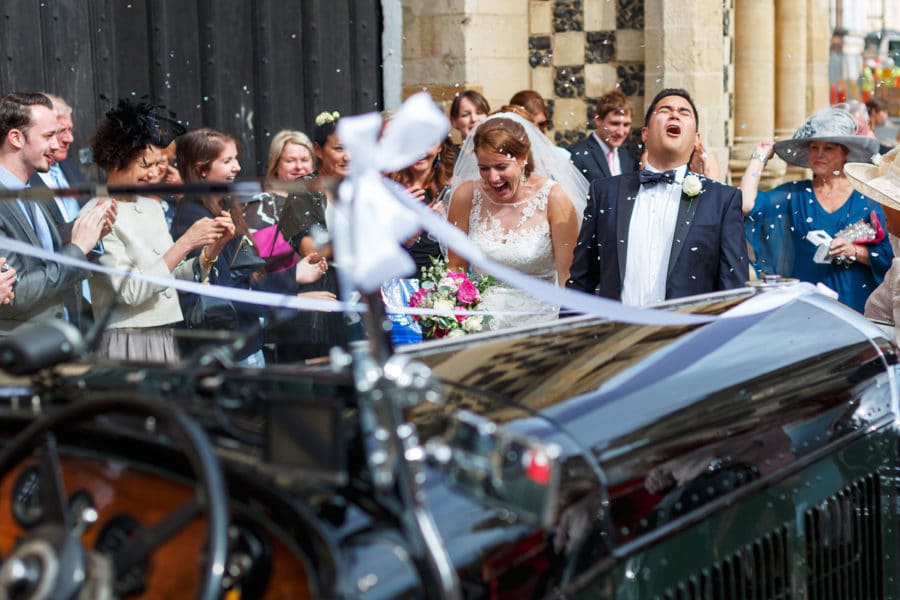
28	141
664	232
601	154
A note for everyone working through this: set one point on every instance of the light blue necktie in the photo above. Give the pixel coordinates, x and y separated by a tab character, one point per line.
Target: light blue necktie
68	205
38	222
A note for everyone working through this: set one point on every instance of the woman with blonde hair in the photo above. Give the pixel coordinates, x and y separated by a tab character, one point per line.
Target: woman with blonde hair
290	159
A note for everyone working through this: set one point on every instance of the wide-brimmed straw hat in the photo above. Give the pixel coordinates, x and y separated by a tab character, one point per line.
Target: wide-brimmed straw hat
879	182
830	125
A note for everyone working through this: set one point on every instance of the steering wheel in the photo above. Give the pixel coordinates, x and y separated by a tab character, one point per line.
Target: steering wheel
51	561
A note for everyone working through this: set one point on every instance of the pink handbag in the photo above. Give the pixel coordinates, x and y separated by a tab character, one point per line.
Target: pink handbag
274	248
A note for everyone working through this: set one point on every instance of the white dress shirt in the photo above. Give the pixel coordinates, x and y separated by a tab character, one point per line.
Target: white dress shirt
650	236
616	167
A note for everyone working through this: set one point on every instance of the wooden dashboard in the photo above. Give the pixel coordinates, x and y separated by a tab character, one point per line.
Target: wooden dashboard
119	491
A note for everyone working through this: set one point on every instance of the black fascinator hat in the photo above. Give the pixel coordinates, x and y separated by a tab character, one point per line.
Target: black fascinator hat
128	129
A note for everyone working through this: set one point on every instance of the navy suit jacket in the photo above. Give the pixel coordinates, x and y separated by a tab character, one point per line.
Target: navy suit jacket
588	157
711	222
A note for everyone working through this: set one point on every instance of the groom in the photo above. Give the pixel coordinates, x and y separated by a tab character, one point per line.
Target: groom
661	233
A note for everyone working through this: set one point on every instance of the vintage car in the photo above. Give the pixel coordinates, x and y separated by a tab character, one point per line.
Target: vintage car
753	456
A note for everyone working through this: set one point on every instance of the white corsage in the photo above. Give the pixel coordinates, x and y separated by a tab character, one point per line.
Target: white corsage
691	185
327	117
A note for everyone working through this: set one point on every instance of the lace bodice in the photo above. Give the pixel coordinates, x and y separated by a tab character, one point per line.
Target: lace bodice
516	235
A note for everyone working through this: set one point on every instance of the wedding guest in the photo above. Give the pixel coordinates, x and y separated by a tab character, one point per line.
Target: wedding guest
428	179
881	183
878	116
168	167
127	145
28	137
779	221
602	153
207	155
290	159
321	330
467	110
661	233
168	174
534	103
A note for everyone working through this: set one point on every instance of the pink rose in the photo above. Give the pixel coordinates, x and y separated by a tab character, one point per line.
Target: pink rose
457	275
460	313
467	292
415	301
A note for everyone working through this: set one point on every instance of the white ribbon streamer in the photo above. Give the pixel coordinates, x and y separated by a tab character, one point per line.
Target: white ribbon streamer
369	224
274	300
373	218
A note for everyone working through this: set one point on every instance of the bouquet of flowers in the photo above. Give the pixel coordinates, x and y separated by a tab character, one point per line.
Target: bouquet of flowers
453	292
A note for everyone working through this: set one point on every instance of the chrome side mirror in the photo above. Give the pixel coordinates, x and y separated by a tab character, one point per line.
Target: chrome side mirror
506	469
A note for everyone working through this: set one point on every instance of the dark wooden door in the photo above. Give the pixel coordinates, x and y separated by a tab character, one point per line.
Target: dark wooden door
249	68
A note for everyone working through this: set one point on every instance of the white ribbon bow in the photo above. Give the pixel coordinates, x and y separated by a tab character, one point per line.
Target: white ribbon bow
368	223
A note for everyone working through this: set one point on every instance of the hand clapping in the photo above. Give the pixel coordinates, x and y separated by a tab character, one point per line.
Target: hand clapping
7	283
94	223
310	268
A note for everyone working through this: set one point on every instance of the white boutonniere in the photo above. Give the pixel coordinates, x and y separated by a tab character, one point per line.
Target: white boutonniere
691	185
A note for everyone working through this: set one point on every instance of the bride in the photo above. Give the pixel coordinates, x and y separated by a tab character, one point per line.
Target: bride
520	202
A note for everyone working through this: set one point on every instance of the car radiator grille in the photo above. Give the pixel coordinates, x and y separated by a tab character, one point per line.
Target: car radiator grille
844	544
758	571
843	554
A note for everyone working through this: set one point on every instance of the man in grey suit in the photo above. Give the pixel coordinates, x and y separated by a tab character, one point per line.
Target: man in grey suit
64	171
601	154
28	140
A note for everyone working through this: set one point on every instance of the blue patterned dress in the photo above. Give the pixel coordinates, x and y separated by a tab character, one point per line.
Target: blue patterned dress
776	229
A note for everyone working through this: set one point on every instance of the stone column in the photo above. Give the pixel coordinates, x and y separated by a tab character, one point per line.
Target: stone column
818	39
754	83
684	48
791	67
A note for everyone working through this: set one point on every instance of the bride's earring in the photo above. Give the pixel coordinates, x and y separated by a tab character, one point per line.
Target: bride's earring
524	177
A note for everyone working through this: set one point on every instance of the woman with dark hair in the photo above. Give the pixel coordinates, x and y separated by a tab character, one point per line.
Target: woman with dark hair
127	145
534	103
467	110
428	179
206	155
307	214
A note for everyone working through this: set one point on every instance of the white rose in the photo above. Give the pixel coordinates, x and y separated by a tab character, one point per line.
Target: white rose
450	283
691	185
472	324
455	333
444	305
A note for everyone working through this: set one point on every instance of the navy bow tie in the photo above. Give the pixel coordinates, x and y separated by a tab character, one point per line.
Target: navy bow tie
651	177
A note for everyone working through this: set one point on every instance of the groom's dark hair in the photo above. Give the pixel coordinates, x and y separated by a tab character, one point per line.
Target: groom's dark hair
671	92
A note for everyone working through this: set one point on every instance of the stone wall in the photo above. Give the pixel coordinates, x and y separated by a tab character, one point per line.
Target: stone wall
581	49
572	51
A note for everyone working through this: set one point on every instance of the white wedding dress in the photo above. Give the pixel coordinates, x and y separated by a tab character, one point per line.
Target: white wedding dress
518	236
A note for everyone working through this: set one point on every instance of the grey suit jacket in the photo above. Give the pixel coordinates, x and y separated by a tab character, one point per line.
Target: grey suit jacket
41	285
